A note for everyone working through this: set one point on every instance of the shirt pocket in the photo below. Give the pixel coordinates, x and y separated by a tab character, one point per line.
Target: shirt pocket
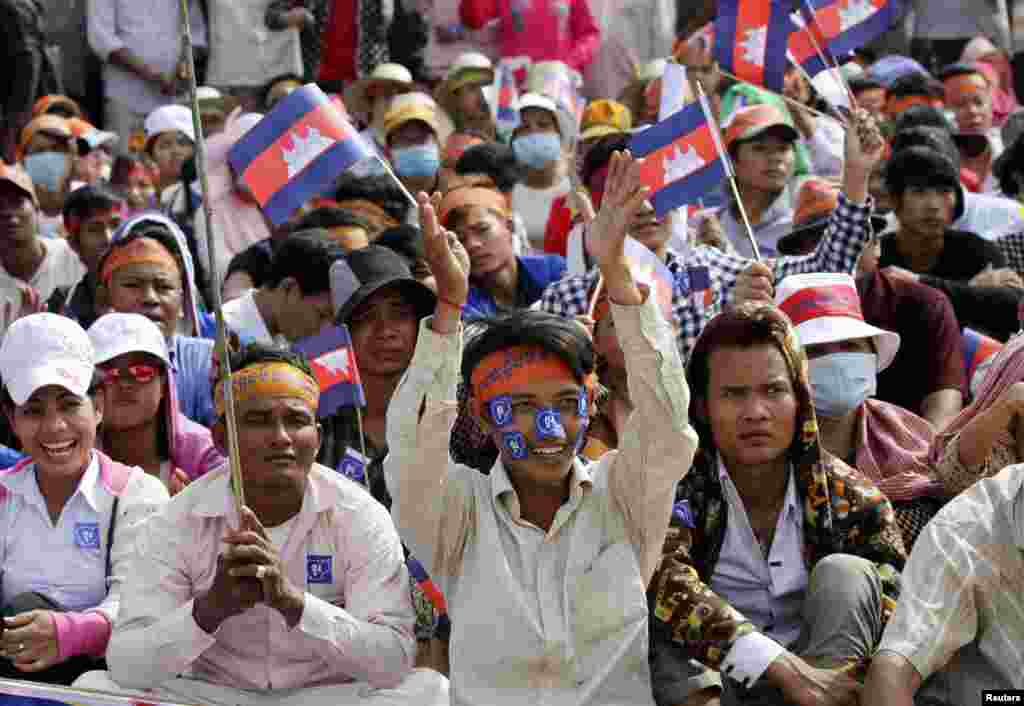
609	603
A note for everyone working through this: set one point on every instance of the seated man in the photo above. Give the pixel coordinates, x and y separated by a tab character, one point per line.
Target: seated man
780	565
543	562
957	629
304	597
295	301
924	187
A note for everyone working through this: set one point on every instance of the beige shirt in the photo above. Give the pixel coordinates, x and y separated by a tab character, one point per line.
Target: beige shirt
556	617
960	609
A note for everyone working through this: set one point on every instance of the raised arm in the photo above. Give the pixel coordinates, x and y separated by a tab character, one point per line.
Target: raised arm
657	445
429	506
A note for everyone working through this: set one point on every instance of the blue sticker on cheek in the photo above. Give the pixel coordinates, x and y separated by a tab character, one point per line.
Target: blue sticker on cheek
500	409
549	424
515	444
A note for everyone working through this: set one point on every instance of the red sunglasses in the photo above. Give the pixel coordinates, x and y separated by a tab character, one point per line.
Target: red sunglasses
141	374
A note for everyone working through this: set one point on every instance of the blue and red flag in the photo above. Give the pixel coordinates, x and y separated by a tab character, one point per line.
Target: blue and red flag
844	25
978	348
808	46
680	160
296	152
333	362
750	40
506	109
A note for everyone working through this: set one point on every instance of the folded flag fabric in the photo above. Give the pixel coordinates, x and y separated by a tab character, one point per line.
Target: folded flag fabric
845	25
680	161
506	108
333	362
750	40
296	152
808	45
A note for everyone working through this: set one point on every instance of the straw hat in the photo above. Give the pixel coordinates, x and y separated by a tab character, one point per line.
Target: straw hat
359	95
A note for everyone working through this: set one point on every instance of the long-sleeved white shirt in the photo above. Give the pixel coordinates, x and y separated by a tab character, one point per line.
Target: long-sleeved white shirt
556	617
356	624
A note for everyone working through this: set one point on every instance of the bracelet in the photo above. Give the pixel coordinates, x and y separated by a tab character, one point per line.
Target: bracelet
450	303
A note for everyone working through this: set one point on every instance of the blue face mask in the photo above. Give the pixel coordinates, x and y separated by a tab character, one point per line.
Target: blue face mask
417	161
47	169
840	382
538	149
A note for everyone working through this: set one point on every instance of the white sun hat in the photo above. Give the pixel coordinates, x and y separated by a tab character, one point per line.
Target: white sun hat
825	308
115	334
167	118
566	127
45	349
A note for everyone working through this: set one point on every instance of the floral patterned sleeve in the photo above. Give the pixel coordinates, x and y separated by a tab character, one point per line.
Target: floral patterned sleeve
705	625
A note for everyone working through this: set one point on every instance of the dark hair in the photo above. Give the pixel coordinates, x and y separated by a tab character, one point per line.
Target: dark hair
381	190
921	116
601	154
1008	166
920	167
255	353
269	86
123	166
859	84
493	159
730	329
155	231
82	202
915	84
254	261
558	335
406	240
306	257
868	55
961	68
932	138
330	217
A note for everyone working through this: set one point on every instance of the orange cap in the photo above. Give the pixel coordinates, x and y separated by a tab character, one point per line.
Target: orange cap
48	123
815	200
752	121
605	117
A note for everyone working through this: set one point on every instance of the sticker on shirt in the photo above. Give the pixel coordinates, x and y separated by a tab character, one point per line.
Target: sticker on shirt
681	513
87	535
319	568
353	465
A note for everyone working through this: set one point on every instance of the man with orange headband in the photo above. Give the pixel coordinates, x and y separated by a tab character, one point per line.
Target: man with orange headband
546	554
303	598
969	96
501	280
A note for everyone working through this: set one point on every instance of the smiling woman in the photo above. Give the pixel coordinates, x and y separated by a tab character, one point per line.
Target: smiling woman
74	501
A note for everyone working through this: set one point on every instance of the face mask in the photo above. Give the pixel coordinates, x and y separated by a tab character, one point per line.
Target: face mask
418	161
840	382
47	169
538	150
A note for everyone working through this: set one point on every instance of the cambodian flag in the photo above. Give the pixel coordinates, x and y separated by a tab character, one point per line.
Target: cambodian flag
506	109
333	361
845	25
805	39
296	152
750	40
680	161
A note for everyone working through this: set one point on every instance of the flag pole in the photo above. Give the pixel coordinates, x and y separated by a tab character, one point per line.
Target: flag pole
408	194
787	99
716	137
234	460
827	58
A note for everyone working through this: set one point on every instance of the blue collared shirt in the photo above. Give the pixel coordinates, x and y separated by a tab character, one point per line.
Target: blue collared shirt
192	359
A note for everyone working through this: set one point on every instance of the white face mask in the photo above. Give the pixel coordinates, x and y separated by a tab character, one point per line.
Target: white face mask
840	382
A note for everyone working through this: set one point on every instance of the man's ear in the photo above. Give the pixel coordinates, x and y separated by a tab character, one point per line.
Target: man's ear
99	401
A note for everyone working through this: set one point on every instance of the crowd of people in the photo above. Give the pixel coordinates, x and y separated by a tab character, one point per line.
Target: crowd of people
773	462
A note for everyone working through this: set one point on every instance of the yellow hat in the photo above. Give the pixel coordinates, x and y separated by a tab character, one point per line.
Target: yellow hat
605	117
417	106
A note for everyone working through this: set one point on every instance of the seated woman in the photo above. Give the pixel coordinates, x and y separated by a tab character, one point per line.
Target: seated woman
148	270
143	426
985	438
886	443
68	513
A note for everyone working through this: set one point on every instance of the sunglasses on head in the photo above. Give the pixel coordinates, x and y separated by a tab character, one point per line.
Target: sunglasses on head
141	374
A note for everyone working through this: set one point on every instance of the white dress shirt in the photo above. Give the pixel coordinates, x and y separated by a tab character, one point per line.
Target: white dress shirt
769	592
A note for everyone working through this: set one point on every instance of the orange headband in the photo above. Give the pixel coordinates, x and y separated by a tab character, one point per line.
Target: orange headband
895	106
964	85
269	380
505	371
462	196
135	252
373	211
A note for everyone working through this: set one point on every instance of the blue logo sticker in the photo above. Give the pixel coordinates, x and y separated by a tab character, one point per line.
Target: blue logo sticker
549	424
353	465
87	535
583	406
515	444
501	411
318	568
681	512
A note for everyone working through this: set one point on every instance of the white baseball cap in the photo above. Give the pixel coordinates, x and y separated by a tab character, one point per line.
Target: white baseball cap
825	308
45	349
116	334
566	128
167	118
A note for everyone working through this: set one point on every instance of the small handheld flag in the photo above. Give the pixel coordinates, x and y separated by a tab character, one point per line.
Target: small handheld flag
680	162
333	361
296	152
750	41
506	107
845	25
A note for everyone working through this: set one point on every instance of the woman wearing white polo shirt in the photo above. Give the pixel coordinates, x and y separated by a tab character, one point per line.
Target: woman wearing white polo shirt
68	514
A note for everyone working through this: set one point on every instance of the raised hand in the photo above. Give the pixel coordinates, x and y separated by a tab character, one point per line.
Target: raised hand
865	145
449	263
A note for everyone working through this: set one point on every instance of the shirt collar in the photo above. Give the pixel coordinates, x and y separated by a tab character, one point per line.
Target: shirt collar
21	480
789	506
501	484
217	499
